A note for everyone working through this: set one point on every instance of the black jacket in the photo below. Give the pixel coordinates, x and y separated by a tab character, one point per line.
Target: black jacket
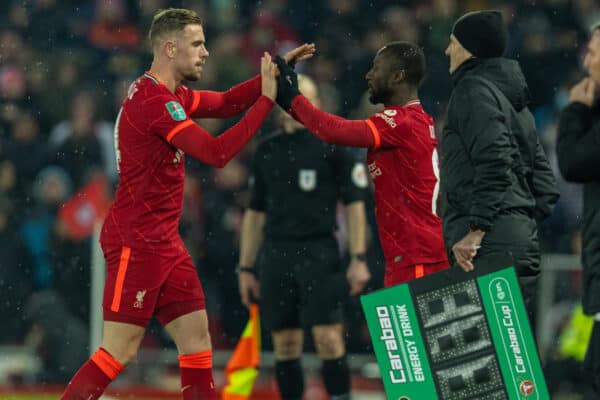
578	151
494	173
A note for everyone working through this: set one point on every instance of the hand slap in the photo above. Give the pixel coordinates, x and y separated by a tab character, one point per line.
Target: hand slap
287	84
300	53
268	72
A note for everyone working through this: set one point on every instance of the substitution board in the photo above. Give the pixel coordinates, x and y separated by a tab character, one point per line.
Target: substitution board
455	336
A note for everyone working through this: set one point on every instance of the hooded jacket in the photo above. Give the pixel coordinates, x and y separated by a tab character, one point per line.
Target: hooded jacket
578	153
494	174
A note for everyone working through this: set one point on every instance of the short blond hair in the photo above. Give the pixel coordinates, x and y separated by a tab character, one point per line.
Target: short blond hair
169	21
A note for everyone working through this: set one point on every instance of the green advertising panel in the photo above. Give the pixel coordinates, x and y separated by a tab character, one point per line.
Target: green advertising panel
455	336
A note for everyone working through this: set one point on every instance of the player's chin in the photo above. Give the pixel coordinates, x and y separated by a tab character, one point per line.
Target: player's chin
193	77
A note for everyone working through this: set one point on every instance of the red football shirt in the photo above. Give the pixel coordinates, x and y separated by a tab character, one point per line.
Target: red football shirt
403	164
149	198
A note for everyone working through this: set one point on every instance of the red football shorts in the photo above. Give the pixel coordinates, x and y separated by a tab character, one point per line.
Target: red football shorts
141	284
411	272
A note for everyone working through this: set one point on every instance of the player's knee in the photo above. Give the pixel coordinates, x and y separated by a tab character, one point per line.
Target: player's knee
123	353
129	354
329	343
122	345
288	351
286	346
197	342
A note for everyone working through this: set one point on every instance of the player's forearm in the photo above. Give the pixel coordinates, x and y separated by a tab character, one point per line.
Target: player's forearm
217	151
251	236
331	128
230	103
357	227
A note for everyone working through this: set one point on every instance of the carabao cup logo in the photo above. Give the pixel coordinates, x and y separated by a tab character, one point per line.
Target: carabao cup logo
526	387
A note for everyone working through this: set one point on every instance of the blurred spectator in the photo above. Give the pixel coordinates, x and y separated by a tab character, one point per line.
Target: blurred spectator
111	28
52	188
55	335
578	147
28	155
223	218
82	144
15	280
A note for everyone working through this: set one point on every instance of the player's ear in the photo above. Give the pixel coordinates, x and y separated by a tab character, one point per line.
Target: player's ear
170	48
398	76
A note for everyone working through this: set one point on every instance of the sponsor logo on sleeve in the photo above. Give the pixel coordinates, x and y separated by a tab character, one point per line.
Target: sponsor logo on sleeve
388	120
176	111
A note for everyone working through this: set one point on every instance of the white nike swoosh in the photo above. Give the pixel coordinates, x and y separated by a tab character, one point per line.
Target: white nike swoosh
185	388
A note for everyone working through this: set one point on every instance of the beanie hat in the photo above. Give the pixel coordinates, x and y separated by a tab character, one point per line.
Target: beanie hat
482	33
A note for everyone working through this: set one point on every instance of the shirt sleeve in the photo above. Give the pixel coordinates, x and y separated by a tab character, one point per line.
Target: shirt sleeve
174	126
168	116
256	183
351	175
331	128
211	104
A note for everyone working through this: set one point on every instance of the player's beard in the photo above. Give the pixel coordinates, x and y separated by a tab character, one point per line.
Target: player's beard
379	96
192	76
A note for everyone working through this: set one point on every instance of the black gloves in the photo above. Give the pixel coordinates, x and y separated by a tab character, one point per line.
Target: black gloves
287	84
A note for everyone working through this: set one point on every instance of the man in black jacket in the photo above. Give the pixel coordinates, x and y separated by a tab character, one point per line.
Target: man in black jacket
578	151
496	183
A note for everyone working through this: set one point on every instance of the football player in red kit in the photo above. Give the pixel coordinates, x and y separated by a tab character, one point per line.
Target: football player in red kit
149	271
402	157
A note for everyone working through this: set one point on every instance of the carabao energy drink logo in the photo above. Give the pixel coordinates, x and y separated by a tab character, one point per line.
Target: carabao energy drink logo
397	336
517	361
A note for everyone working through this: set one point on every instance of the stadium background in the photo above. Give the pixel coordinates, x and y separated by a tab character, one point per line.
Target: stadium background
64	68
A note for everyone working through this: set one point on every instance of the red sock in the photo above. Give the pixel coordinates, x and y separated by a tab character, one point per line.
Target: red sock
196	376
93	377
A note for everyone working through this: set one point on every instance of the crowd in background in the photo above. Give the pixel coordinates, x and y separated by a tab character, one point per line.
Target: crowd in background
65	67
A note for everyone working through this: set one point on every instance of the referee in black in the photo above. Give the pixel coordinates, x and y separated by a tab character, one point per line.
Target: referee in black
295	186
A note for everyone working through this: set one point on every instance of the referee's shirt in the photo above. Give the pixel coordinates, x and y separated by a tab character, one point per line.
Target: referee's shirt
296	181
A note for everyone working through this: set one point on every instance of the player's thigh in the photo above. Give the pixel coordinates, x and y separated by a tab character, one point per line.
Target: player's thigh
190	332
122	340
181	292
322	284
279	297
287	343
133	283
329	341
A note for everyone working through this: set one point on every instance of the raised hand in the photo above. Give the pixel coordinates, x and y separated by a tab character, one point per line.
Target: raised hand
300	53
584	92
287	84
268	72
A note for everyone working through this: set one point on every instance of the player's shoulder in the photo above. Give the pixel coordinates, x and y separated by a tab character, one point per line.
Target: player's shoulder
144	90
391	115
183	91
